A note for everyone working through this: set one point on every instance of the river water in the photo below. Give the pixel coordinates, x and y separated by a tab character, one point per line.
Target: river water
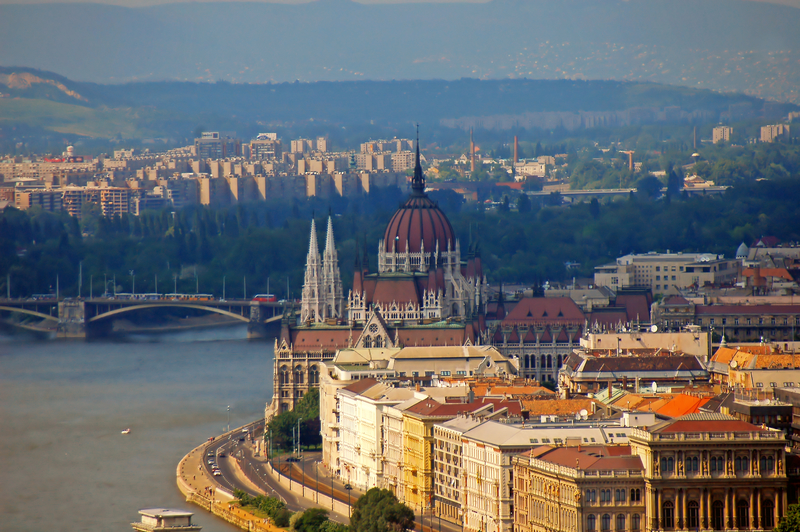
65	466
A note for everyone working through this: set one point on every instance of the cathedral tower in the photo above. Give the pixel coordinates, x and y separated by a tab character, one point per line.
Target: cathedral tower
323	296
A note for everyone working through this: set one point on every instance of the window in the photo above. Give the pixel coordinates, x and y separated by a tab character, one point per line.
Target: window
767	514
717	515
445	374
767	463
717	464
742	513
621	520
619	495
693	518
635	522
658	277
742	463
658	268
636	495
606	522
691	464
591	523
668	515
673	278
667	464
591	496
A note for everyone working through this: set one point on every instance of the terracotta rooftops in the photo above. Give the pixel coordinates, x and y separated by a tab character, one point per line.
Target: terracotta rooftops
557	407
705	422
361	386
545	309
589	457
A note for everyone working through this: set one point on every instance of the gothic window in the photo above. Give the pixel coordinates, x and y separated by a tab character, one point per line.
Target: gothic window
559	361
693	518
767	514
367	341
717	515
373	328
298	374
542	361
742	513
621	520
668	515
606	522
313	375
742	463
283	375
378	341
549	361
591	523
635	522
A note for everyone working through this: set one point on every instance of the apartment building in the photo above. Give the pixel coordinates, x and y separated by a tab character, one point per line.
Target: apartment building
217	145
721	134
662	271
47	200
774	132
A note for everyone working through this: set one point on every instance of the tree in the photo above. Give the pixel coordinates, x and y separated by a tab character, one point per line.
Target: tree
791	521
310	520
523	203
649	186
378	510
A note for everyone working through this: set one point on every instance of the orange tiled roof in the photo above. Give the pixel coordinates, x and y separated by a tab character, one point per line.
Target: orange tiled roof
557	407
681	405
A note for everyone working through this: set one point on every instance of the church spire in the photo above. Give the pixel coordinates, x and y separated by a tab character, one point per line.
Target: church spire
418	182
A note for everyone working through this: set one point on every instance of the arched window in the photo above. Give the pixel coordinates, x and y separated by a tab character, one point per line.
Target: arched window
742	513
693	518
367	341
636	495
668	515
606	522
621	520
667	464
549	361
717	515
691	464
298	374
619	495
636	522
283	375
542	361
559	361
767	513
378	342
313	375
742	463
591	523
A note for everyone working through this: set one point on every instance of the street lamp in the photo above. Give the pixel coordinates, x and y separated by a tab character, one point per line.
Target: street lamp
348	487
229	418
133	276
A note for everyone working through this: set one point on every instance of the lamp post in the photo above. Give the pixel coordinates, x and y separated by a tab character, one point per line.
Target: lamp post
348	487
223	287
133	285
175	280
229	418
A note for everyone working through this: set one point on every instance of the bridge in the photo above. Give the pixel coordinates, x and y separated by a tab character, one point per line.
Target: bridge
82	318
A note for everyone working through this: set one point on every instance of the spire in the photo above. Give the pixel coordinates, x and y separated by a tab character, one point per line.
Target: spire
418	182
329	245
313	247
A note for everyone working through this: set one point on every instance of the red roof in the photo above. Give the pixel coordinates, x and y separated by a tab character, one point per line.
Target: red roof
545	309
361	385
682	405
418	220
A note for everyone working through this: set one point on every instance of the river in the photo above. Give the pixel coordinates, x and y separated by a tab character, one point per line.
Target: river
65	466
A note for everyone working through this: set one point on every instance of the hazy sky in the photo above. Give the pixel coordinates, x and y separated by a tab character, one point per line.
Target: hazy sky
140	3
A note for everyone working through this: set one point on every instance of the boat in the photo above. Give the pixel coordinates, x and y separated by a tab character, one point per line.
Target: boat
126	431
165	520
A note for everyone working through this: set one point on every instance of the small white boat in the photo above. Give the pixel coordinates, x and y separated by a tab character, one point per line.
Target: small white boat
126	431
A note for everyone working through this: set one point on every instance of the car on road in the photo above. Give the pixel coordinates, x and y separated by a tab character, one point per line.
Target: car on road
217	472
293	459
221	454
211	461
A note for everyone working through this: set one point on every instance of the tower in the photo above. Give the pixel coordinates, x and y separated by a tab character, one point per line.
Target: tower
323	296
331	278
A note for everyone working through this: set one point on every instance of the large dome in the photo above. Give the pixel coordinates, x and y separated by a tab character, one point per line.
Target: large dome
418	220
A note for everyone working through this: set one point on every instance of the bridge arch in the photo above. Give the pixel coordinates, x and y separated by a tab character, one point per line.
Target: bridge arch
29	312
177	304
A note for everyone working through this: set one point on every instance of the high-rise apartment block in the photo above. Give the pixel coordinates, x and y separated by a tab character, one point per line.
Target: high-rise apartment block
217	145
721	134
774	132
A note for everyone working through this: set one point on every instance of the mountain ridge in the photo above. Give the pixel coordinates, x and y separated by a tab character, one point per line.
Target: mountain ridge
730	45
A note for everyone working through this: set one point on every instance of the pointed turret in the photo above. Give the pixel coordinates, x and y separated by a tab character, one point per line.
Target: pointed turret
311	307
332	292
418	181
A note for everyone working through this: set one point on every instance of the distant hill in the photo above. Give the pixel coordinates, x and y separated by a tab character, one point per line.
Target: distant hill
48	100
727	45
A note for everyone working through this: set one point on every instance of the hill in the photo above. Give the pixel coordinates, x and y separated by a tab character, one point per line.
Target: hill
727	45
174	109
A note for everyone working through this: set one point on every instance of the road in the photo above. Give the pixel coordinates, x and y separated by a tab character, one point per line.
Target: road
243	469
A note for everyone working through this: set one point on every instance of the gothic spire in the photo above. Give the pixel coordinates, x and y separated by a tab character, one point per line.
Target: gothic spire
330	247
418	182
313	247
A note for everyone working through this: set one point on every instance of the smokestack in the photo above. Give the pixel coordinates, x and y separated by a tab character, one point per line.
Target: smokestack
471	152
516	149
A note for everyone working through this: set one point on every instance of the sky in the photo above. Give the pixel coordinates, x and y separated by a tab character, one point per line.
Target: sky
142	3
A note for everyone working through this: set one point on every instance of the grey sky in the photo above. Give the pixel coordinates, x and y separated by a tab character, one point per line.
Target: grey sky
141	3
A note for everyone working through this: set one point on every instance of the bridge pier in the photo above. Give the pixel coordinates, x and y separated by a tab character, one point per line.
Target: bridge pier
71	319
256	328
